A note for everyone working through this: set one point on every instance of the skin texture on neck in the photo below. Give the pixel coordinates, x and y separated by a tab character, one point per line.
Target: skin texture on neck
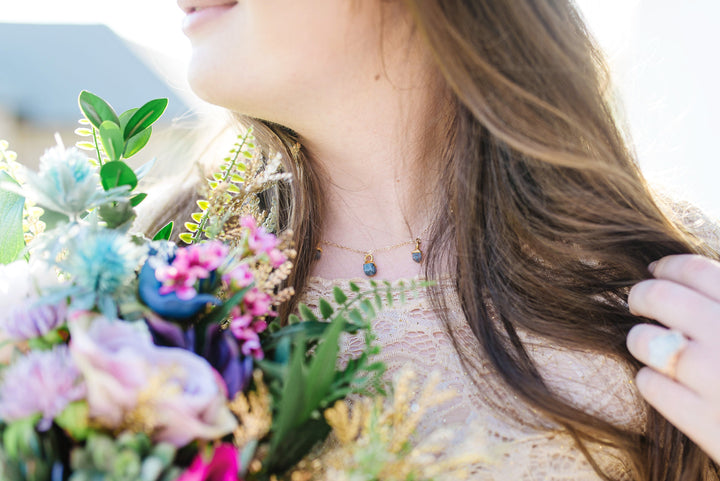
356	83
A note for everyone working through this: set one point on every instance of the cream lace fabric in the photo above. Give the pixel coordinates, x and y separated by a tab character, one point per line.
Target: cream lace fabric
412	336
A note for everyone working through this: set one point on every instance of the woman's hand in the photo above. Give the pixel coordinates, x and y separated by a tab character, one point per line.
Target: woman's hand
683	380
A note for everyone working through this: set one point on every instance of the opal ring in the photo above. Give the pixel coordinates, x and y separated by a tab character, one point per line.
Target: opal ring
665	350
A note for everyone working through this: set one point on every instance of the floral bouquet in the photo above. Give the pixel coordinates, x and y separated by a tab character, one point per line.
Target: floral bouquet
128	358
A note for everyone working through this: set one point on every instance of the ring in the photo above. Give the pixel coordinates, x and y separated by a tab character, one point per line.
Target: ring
665	350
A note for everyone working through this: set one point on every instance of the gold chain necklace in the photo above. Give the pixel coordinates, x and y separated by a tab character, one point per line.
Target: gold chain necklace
369	266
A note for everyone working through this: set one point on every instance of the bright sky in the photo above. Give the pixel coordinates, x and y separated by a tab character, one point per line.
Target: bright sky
663	53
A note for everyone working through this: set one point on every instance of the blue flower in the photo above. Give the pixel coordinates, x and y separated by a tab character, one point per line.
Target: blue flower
67	183
102	264
168	305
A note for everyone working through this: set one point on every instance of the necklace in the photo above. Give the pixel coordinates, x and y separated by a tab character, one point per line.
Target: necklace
369	266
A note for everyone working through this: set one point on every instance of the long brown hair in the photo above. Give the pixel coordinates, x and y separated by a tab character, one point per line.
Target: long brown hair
551	220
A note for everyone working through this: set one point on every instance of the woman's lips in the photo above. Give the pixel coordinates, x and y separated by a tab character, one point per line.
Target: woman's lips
198	15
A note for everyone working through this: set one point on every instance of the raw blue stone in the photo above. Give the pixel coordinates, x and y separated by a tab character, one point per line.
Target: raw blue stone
417	256
370	269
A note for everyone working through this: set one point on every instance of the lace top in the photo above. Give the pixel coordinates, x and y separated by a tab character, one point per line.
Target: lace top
413	335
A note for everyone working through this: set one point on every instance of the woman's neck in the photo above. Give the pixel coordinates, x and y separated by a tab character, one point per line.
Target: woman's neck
378	184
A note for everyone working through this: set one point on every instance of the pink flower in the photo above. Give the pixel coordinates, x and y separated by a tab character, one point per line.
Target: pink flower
190	265
246	330
178	392
257	303
222	467
239	278
259	240
277	258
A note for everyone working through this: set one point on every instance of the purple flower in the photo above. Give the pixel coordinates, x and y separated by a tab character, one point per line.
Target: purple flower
174	393
25	313
42	382
220	349
33	320
222	467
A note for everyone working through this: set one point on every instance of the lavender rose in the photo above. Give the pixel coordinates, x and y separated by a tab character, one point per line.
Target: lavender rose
134	384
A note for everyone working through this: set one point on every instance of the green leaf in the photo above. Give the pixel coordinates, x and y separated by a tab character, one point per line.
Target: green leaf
368	308
186	237
191	227
203	204
322	367
85	145
83	132
165	232
135	201
112	140
306	313
197	216
339	295
293	319
12	240
75	420
96	110
134	144
354	287
291	404
326	310
117	173
357	317
221	312
145	116
116	214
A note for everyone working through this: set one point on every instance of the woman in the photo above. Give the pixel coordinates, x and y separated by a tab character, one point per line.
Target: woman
477	138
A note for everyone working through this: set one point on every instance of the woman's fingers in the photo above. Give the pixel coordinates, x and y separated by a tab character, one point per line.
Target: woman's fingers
693	271
678	307
686	410
694	364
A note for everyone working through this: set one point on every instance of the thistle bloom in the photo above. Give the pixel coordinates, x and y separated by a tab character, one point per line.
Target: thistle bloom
222	467
67	183
170	391
102	264
41	382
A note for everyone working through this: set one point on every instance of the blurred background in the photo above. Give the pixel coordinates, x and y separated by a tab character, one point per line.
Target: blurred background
663	54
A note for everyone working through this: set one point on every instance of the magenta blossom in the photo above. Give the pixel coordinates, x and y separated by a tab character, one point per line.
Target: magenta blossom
239	278
223	466
260	241
258	303
42	382
246	329
190	265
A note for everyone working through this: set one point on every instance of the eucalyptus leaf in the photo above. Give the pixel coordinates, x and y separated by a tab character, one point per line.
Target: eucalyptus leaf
12	241
112	140
165	232
117	173
135	143
136	200
145	116
96	110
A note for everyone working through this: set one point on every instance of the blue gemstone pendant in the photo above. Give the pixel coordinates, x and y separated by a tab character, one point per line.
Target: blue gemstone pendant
369	267
417	253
